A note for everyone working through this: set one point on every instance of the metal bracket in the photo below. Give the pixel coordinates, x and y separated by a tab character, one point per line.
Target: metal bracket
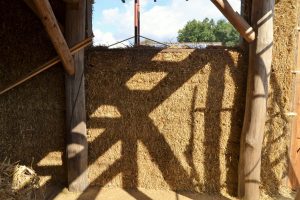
291	114
295	71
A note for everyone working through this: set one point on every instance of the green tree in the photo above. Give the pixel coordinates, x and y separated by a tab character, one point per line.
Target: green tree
209	31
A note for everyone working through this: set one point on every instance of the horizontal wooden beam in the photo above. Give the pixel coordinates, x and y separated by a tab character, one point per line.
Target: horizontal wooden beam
50	23
236	20
47	65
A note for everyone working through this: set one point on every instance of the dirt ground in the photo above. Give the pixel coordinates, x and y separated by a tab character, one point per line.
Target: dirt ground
146	194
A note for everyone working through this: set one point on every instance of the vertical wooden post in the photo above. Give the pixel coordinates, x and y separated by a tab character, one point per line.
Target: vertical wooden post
89	17
75	102
298	195
260	59
294	165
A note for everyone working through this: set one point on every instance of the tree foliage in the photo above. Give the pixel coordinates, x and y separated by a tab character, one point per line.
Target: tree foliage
209	31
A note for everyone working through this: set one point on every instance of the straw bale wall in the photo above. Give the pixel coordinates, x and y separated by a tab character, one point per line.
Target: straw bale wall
159	119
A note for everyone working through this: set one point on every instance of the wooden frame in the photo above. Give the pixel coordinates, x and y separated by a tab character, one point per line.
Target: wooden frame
294	154
260	35
236	20
77	145
260	60
46	66
43	10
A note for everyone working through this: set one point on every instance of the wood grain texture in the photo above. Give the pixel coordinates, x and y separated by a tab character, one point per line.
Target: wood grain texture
236	20
45	12
46	66
77	158
294	165
260	60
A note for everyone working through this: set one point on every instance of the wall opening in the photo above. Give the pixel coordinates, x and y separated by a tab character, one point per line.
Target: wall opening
185	23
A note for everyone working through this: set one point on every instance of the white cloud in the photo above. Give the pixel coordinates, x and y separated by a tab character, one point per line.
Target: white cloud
106	38
103	38
159	22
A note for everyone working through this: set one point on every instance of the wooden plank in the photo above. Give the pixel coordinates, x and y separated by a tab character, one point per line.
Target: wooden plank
294	168
50	23
236	20
47	65
298	195
294	165
260	60
77	151
89	18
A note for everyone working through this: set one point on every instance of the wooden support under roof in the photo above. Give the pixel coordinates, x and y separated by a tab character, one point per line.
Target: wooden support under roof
260	60
44	11
34	10
294	154
81	45
76	152
239	23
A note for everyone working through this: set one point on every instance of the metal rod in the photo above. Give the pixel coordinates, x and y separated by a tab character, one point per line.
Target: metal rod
137	22
120	42
154	41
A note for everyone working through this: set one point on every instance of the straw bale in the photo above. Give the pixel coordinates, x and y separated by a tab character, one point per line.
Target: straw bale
32	115
176	118
158	119
17	182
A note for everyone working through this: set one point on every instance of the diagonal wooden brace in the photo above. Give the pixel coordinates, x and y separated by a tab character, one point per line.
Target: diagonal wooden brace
44	11
33	9
239	23
81	45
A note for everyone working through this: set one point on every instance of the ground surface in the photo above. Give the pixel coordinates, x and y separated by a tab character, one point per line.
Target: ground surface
143	194
117	194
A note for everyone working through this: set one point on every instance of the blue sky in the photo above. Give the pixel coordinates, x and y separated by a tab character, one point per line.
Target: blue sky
113	20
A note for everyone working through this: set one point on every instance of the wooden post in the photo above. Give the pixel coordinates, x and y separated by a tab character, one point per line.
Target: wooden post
239	23
89	18
294	165
77	151
298	195
260	59
44	10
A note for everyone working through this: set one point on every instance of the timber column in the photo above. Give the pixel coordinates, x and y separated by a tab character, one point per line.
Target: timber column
260	60
77	152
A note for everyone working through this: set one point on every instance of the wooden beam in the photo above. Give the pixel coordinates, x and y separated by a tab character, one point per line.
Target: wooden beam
294	165
50	23
260	59
87	42
77	145
89	18
298	195
71	1
32	7
239	23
